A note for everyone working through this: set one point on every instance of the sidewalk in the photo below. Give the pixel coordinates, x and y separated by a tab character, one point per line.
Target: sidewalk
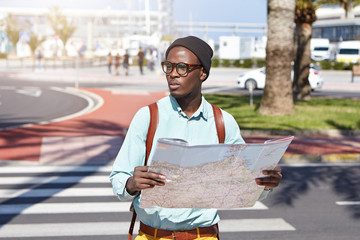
219	77
96	137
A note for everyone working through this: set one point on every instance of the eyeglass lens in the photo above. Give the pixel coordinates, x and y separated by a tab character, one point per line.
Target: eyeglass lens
181	68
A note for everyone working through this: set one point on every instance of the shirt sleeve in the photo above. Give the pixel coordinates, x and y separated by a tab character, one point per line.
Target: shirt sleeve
264	195
131	154
232	130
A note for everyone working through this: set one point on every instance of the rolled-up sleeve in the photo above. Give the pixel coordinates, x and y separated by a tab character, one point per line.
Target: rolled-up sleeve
131	154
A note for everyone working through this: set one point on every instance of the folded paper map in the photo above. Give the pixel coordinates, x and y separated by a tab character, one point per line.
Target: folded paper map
211	176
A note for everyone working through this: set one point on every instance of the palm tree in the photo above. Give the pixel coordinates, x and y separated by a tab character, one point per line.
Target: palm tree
60	25
347	5
12	32
305	15
34	43
277	98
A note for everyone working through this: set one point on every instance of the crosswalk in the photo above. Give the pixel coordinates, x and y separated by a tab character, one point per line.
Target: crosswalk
77	202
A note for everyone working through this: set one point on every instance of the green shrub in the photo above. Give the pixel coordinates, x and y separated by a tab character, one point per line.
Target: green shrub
325	65
339	66
260	63
226	63
350	66
237	63
215	62
248	63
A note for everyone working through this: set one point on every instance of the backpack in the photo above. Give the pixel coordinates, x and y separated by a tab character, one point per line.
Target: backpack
154	120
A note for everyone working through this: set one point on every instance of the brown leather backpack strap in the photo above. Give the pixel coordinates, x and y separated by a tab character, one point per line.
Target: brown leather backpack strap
154	120
132	224
219	122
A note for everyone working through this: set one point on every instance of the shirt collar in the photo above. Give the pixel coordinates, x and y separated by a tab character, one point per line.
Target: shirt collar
201	112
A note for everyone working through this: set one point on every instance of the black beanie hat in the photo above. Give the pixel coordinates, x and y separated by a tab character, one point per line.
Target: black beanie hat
199	47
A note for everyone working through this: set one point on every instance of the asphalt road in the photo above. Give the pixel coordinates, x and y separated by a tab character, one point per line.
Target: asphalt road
33	105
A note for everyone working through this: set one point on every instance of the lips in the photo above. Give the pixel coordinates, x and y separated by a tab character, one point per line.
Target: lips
173	85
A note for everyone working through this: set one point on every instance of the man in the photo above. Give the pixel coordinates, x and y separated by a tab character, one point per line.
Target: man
141	56
185	114
126	62
109	62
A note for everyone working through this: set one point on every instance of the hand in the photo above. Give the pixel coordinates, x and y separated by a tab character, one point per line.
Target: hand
272	181
143	179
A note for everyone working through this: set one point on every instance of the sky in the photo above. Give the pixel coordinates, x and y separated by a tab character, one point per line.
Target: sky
243	11
253	11
240	11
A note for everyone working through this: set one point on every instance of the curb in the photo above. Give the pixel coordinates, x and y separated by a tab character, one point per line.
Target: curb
308	133
320	158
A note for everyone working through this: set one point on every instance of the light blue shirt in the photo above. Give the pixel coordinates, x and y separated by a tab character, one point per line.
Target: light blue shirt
173	123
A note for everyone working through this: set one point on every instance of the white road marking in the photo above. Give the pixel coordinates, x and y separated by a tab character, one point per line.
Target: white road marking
53	169
258	206
254	225
121	228
92	105
56	192
77	207
54	179
347	203
30	91
116	91
57	208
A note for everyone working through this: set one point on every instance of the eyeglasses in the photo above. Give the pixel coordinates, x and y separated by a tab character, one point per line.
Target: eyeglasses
181	68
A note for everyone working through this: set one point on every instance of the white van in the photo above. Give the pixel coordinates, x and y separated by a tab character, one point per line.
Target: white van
320	49
348	52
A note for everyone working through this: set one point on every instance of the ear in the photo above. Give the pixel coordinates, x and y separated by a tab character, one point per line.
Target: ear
203	75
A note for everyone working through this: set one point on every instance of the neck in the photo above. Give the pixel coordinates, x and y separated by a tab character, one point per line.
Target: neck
189	105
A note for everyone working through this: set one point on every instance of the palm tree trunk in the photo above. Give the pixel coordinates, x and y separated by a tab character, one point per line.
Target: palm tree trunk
278	98
301	85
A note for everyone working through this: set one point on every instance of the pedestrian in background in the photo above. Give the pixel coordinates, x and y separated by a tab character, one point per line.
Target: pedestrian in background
39	57
152	62
148	58
141	56
109	62
117	64
126	62
154	58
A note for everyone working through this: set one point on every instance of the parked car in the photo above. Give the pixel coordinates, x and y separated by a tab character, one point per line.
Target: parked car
257	78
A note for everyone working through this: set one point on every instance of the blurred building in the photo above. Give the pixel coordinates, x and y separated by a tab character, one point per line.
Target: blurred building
101	30
333	24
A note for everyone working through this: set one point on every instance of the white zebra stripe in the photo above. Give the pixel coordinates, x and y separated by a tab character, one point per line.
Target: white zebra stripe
54	179
56	192
347	203
53	169
81	207
121	228
56	208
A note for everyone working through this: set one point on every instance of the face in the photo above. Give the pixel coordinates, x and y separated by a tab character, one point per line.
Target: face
190	84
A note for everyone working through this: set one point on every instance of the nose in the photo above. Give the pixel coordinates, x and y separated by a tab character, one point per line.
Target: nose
174	73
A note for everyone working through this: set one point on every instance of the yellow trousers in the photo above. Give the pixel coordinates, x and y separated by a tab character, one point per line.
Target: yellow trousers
143	236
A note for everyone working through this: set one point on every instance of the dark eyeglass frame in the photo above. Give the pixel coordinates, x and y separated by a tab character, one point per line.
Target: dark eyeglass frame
189	67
